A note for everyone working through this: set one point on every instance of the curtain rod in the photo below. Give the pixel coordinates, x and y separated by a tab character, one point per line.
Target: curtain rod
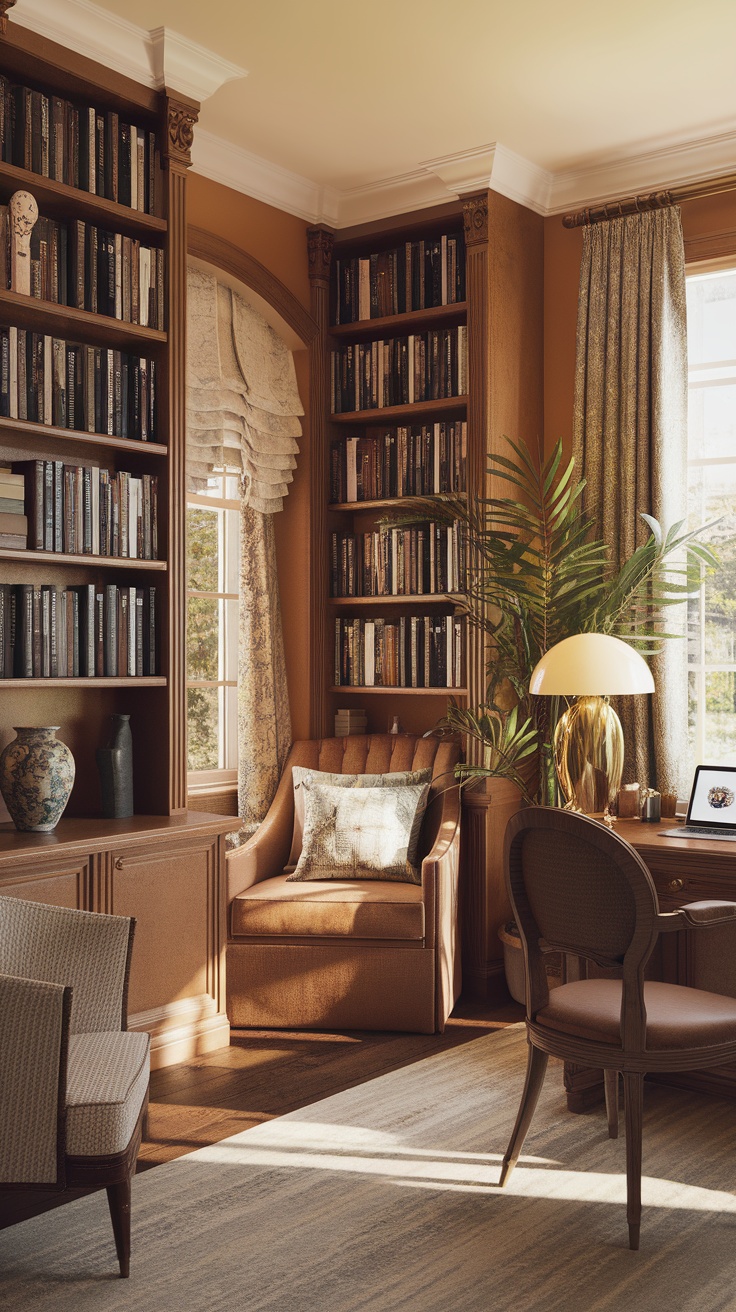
653	200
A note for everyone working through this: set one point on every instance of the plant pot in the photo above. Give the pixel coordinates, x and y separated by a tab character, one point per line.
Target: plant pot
513	961
36	778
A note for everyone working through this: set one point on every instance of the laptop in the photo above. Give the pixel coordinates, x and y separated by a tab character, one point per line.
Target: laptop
711	812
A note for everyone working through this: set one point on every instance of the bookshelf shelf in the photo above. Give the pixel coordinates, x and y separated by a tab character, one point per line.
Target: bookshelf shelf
394	325
394	503
77	325
68	558
398	691
442	599
11	429
94	681
448	405
57	200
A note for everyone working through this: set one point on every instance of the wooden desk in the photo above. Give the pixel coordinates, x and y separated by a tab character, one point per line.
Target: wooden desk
684	870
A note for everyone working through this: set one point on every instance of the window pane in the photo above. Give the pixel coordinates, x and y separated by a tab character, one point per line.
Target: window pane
202	638
720	717
202	549
711	317
202	728
712	421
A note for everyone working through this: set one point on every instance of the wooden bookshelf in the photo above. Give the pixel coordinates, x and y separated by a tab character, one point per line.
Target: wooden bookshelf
82	558
59	201
77	325
413	321
404	414
14	430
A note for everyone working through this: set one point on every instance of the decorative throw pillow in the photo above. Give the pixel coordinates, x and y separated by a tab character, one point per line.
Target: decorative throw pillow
361	833
300	773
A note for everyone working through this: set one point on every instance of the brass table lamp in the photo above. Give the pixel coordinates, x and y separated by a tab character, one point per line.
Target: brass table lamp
589	741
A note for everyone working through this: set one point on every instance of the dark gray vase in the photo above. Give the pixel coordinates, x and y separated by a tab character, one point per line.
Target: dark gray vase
115	765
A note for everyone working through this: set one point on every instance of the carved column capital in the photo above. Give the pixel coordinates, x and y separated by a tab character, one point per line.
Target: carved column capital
5	5
320	242
181	116
475	219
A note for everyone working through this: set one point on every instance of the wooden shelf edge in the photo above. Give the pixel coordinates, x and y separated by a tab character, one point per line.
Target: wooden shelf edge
82	558
59	198
392	503
47	316
446	405
401	692
401	599
27	428
94	681
436	316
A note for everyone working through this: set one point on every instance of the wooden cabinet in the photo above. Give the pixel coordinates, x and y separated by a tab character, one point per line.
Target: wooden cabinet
169	874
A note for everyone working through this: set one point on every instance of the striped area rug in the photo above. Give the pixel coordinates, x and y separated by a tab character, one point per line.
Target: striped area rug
384	1199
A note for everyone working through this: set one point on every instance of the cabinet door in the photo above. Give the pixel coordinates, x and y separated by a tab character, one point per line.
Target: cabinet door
175	893
60	883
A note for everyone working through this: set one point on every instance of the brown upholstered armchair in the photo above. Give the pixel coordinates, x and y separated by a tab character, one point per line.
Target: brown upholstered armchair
352	954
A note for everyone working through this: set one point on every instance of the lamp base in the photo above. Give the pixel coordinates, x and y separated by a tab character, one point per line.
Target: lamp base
589	755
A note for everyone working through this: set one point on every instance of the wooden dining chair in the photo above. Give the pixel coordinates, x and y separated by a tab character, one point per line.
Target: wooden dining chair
576	887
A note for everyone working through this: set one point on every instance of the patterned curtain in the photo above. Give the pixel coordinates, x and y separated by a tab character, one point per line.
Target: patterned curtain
243	412
630	438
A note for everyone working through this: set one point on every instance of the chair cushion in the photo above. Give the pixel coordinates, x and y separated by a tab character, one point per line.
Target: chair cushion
107	1080
334	909
677	1017
361	833
301	774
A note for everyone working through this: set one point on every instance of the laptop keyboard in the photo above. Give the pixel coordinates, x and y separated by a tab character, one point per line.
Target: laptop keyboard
695	831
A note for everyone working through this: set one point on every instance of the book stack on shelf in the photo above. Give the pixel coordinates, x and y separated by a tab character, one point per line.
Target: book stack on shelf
90	389
51	632
348	722
13	519
397	429
81	265
85	510
81	146
409	460
415	651
425	559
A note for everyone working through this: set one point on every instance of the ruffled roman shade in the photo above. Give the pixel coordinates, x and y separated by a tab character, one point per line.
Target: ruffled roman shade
243	405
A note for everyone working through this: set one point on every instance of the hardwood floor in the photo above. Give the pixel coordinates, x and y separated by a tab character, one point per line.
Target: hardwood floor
264	1074
268	1073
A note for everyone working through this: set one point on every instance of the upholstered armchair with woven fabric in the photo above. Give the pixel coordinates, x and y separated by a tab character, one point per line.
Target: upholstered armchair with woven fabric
348	953
74	1088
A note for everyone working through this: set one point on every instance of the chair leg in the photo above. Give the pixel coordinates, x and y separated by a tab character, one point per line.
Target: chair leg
535	1071
634	1100
118	1198
610	1080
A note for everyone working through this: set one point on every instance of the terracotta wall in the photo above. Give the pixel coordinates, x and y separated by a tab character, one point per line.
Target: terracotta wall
279	241
709	228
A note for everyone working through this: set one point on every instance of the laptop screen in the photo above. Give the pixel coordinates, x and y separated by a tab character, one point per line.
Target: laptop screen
713	799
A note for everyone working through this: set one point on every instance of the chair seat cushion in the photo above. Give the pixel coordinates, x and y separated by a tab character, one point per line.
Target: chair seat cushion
366	908
107	1081
677	1017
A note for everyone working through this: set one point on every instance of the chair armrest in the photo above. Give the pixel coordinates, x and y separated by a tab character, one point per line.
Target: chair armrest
702	914
266	853
711	945
87	950
34	1033
441	864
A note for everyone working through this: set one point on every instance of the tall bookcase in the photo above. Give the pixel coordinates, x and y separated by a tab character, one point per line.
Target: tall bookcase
164	865
503	317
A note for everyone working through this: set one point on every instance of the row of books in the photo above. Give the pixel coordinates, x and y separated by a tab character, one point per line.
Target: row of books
399	371
410	460
83	510
397	562
416	276
92	389
83	266
81	146
415	651
13	521
49	632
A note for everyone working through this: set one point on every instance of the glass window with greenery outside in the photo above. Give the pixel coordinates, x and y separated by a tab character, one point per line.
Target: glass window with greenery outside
213	545
711	330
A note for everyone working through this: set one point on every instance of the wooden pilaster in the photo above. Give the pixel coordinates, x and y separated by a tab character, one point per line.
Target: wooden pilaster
180	116
5	5
320	241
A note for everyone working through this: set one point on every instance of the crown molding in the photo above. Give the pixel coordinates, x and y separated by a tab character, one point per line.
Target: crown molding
666	164
494	168
161	58
223	162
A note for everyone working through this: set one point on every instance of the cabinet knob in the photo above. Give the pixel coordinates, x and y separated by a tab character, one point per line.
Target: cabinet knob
119	866
674	885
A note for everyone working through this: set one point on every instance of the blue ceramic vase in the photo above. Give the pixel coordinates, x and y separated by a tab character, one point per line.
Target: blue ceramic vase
36	778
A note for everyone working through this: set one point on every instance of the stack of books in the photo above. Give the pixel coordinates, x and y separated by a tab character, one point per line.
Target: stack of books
50	632
399	371
417	651
80	509
415	276
411	460
348	722
13	520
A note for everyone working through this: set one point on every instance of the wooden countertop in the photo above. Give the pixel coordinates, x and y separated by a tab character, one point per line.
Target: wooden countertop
78	836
